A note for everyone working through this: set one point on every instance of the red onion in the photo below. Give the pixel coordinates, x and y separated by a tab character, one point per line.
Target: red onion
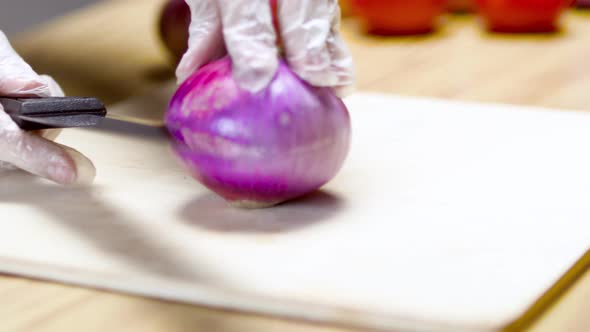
258	149
173	27
583	3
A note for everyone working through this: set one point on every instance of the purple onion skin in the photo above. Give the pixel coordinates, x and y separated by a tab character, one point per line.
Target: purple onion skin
258	150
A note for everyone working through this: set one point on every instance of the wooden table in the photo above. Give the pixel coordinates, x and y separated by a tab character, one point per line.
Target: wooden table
111	51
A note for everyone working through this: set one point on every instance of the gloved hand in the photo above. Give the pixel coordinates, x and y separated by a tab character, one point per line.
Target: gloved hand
309	31
35	152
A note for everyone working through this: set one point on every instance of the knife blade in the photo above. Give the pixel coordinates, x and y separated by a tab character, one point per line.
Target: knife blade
60	112
54	112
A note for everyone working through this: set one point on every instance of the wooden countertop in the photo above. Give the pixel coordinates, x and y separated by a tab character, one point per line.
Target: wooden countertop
111	50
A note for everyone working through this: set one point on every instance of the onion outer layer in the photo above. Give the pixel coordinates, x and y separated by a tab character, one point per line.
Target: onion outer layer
258	149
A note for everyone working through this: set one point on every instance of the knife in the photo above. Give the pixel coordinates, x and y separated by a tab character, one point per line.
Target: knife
60	112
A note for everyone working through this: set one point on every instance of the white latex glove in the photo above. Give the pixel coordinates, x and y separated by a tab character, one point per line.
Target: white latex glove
35	152
309	32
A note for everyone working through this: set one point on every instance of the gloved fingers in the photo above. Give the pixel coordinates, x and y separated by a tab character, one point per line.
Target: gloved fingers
205	38
30	151
53	88
39	156
342	62
85	169
17	78
305	28
250	39
313	45
50	160
54	91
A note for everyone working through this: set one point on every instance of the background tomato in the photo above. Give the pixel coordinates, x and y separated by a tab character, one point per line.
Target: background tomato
393	17
522	15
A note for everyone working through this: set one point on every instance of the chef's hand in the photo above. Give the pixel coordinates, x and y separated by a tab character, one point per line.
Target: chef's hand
309	31
35	152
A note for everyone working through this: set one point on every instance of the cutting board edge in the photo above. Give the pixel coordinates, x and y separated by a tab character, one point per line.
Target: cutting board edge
552	296
255	305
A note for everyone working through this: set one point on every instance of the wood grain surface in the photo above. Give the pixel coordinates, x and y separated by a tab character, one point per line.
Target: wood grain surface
111	51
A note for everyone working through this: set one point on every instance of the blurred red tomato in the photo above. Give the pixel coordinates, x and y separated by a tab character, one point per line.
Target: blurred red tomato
583	3
174	23
461	5
395	17
522	15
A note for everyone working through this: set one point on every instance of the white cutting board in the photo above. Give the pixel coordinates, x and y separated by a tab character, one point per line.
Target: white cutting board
447	216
